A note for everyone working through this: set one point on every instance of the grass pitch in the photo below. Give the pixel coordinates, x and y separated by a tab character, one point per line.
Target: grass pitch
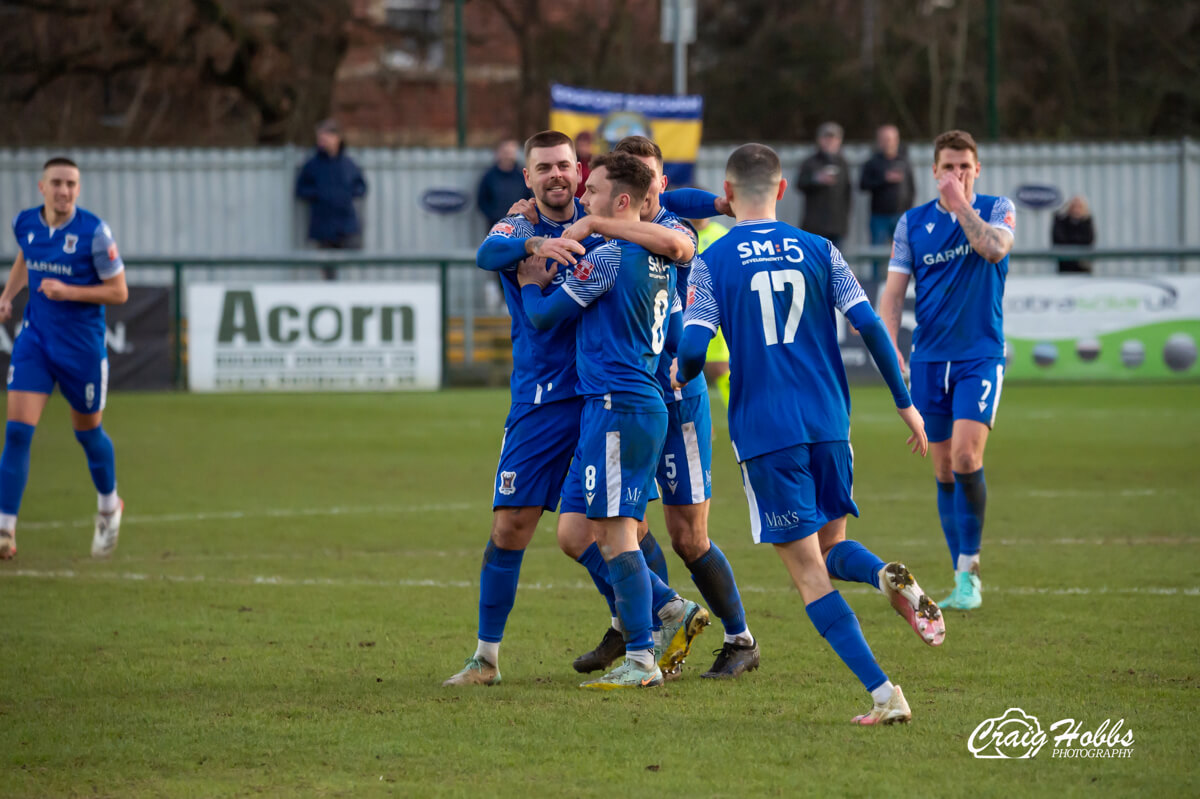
298	574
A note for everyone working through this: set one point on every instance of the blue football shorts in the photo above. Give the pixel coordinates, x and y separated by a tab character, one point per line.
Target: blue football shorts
535	453
81	376
615	460
685	467
945	391
794	492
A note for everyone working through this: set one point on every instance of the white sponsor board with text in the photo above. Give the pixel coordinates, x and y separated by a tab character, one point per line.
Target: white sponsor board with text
314	336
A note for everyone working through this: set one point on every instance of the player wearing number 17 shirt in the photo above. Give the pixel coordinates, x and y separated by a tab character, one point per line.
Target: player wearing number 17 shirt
773	289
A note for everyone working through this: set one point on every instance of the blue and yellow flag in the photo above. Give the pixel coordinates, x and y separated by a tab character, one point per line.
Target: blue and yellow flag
673	122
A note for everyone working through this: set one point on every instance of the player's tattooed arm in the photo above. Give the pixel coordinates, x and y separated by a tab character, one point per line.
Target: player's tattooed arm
562	250
990	242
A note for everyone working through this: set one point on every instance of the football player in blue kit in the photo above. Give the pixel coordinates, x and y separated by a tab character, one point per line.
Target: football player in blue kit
684	473
773	290
542	429
621	295
956	247
70	262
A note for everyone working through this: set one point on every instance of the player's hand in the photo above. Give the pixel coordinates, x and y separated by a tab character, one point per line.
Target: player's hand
675	382
525	208
53	289
918	440
5	309
561	249
950	191
580	229
534	271
723	207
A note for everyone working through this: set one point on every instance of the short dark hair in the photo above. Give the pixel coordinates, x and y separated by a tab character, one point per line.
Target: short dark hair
954	140
755	168
547	138
627	174
59	161
640	146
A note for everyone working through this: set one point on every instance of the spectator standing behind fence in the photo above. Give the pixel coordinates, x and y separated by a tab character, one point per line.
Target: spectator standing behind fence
888	176
825	181
502	185
1073	227
330	182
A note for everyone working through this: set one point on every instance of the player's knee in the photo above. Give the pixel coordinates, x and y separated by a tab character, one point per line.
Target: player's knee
966	461
512	528
572	540
689	542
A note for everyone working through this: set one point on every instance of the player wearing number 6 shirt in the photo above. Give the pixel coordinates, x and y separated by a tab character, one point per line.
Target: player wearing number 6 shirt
70	262
957	249
773	289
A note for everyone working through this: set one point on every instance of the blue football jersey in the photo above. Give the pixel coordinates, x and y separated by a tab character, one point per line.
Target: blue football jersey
625	292
960	312
81	253
543	360
694	388
772	289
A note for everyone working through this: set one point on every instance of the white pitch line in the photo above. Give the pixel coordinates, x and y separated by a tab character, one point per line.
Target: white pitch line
275	580
260	513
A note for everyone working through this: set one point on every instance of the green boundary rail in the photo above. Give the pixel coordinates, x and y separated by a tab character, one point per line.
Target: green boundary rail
870	263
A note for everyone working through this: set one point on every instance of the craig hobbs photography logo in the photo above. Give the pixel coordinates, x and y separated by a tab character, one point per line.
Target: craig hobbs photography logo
1017	735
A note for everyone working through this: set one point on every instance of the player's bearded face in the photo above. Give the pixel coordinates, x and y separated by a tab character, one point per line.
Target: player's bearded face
60	188
553	175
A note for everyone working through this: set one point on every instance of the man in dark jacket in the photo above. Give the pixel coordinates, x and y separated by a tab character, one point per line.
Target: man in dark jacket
502	185
889	178
330	182
825	181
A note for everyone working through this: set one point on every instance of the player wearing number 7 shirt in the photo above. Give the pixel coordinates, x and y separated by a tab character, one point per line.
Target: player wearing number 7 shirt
957	249
773	290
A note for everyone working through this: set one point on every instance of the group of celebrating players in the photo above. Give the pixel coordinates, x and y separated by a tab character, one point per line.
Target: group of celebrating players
608	407
608	411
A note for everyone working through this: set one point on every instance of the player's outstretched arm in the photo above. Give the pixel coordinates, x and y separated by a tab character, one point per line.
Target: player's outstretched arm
891	309
18	278
693	203
879	344
674	245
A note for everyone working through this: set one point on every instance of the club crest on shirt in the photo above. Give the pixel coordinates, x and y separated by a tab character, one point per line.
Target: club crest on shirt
583	270
502	229
113	255
508	483
69	242
1010	219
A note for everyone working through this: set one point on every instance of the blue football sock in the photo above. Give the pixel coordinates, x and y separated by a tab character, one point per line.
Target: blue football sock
101	459
631	583
970	504
660	594
655	560
497	589
945	505
713	576
14	466
852	562
838	625
593	561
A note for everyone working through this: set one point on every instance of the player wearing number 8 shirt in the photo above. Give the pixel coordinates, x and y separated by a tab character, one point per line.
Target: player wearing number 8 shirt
773	289
957	249
621	294
70	262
